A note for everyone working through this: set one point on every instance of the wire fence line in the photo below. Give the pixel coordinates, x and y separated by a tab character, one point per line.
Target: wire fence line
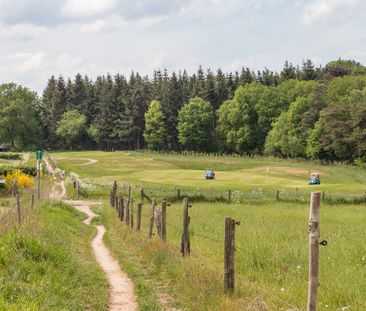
218	241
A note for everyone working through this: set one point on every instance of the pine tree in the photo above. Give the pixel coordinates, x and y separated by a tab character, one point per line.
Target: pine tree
308	70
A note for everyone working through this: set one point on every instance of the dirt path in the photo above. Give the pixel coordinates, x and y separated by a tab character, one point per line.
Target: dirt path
90	161
25	158
121	288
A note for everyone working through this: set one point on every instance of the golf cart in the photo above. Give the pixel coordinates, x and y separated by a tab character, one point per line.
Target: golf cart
314	179
210	174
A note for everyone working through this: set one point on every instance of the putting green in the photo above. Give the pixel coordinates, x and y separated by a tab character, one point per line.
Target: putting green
231	172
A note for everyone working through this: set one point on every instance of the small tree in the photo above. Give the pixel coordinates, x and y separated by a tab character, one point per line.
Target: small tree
155	131
195	124
71	127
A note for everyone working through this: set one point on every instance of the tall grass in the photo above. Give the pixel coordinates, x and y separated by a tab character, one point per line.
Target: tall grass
47	264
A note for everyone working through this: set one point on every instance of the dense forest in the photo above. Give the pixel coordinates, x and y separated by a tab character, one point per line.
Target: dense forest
302	111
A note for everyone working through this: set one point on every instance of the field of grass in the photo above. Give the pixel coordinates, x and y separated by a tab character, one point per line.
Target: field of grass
272	240
251	178
48	264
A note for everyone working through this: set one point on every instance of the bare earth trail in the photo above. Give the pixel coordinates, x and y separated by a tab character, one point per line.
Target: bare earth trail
121	288
90	161
25	158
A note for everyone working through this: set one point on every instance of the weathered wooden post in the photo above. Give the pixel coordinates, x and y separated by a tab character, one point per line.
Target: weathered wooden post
229	255
185	245
131	213
142	195
127	212
314	232
138	217
158	222
113	194
14	188
116	203
163	220
229	196
152	216
32	201
19	217
278	195
121	208
178	194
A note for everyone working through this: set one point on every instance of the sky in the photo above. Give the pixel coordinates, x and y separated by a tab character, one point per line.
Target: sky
41	38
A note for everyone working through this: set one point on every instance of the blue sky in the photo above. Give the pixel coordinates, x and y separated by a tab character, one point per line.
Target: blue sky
40	38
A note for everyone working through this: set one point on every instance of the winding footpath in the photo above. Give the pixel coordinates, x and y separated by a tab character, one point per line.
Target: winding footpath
121	288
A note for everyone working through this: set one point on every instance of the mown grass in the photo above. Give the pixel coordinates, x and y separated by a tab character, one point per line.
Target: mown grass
265	176
47	264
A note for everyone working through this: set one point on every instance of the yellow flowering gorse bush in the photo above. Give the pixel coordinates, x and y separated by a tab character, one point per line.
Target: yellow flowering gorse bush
23	180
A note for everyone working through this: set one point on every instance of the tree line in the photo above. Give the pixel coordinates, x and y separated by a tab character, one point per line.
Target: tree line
302	111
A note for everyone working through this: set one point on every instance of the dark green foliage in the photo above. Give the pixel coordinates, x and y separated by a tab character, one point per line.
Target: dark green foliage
19	118
303	111
194	125
10	156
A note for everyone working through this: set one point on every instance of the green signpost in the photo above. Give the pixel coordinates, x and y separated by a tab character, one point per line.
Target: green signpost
39	154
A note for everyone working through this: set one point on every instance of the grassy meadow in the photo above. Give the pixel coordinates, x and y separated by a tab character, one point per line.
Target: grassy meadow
272	240
48	264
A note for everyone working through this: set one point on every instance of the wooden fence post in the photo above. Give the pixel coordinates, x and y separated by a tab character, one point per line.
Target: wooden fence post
32	201
138	220
158	222
19	217
163	220
113	193
278	195
116	203
129	193
229	256
314	232
152	216
127	212
185	245
178	194
142	195
131	213
229	196
121	208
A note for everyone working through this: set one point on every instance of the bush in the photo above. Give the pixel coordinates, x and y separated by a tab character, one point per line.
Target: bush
23	180
10	156
31	171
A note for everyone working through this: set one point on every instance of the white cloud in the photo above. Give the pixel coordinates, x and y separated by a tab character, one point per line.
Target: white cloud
104	24
88	8
23	62
21	31
355	54
330	11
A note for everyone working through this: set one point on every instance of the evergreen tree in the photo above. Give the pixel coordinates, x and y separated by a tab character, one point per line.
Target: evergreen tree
308	70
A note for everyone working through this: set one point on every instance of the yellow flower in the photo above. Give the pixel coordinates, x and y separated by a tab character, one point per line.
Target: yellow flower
22	180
